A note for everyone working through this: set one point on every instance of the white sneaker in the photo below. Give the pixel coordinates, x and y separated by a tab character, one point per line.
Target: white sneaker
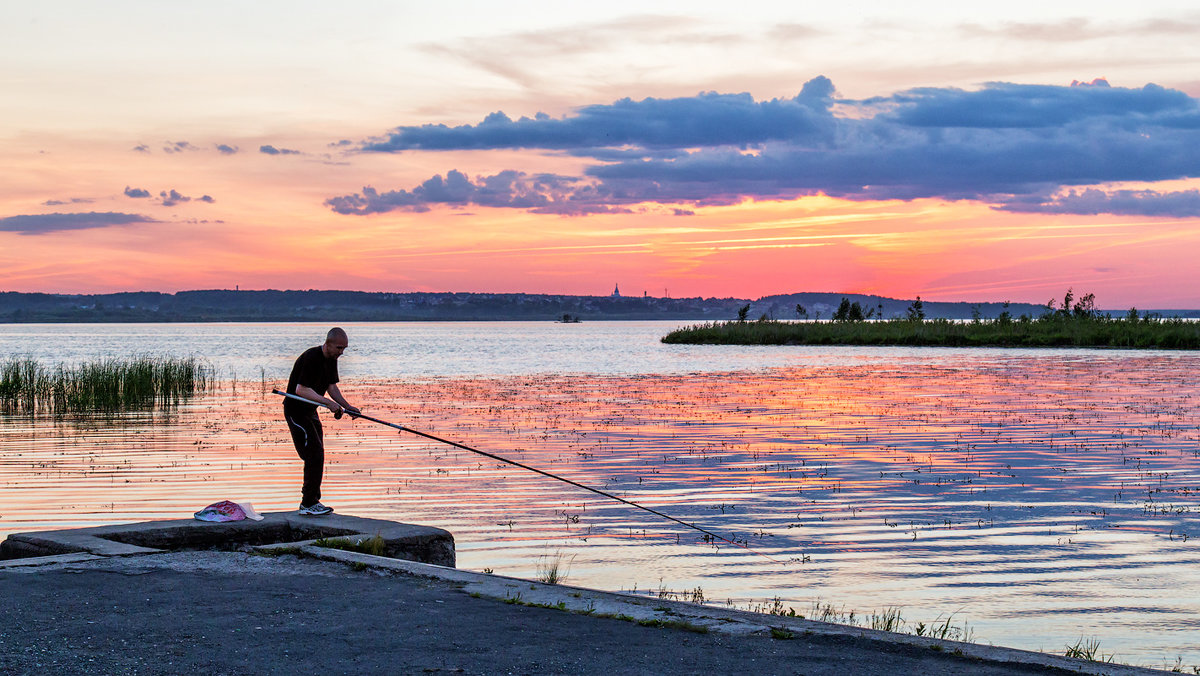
315	509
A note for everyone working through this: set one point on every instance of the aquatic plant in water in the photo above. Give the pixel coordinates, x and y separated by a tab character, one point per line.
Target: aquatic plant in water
28	386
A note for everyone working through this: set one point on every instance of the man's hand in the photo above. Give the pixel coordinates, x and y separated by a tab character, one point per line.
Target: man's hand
352	410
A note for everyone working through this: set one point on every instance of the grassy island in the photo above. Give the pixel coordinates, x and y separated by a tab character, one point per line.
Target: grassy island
1071	325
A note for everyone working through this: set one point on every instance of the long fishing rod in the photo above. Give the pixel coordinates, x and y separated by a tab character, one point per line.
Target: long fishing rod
493	456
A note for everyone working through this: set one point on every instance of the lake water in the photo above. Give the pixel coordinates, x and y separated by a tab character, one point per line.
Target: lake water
1031	497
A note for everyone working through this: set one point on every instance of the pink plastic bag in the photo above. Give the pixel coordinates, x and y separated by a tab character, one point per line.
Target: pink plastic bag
222	511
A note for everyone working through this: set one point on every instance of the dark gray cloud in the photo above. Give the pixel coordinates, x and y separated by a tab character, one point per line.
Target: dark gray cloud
172	197
708	119
173	147
623	154
272	150
40	224
1010	106
167	198
1008	145
1091	201
956	165
541	193
73	200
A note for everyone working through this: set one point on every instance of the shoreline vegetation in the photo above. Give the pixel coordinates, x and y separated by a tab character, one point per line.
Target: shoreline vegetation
1073	323
107	385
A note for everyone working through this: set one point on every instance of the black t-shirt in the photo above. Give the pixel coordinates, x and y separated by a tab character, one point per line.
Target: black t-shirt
314	371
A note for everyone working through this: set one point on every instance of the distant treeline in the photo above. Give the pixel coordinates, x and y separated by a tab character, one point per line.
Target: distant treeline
1073	324
349	306
346	306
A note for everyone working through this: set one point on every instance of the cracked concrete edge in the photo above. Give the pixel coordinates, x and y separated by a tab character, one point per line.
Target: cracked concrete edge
78	541
691	615
35	561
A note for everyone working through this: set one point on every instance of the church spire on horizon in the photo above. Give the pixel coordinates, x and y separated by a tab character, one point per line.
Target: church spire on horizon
616	291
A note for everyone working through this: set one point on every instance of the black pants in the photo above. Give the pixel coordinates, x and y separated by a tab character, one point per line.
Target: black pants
309	439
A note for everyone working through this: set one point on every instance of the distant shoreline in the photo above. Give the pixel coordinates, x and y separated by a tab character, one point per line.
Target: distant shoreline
213	306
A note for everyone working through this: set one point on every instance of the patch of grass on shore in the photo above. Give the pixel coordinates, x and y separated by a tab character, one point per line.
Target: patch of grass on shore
28	386
374	546
1088	649
551	570
1074	327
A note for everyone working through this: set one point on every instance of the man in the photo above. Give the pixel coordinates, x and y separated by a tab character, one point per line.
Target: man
315	375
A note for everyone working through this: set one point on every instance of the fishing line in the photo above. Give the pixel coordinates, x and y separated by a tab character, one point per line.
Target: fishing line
493	456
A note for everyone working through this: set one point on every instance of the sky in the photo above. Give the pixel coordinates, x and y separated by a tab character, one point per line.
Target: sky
956	151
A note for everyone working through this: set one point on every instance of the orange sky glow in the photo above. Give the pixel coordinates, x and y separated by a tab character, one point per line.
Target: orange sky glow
143	165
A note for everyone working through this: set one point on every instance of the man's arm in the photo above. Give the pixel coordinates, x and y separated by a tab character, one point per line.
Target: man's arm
336	394
335	401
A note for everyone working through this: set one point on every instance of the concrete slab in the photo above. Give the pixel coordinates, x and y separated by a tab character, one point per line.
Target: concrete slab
47	560
401	540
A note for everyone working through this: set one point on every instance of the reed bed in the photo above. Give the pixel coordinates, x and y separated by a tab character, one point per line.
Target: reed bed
110	385
1051	331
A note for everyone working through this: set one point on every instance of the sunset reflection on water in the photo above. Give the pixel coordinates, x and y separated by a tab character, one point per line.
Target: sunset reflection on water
1039	499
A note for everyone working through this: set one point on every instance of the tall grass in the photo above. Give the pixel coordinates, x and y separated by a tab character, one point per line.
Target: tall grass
28	386
1047	331
375	546
552	569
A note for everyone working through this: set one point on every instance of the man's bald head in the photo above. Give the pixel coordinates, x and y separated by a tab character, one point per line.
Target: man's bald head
335	343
